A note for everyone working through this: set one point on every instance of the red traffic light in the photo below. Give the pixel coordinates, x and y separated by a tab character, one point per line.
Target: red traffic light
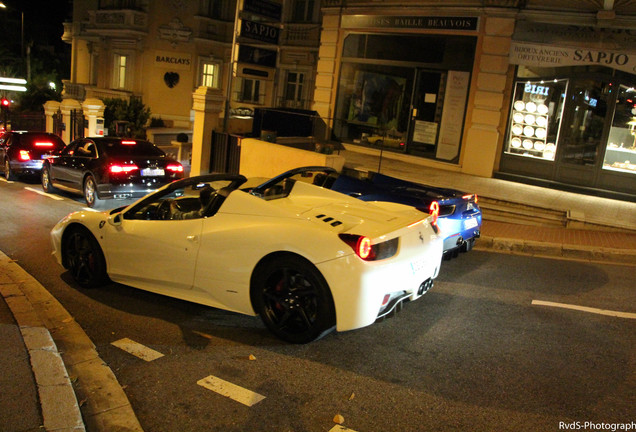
5	103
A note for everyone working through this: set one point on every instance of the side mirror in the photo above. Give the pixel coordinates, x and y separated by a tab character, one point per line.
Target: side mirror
115	220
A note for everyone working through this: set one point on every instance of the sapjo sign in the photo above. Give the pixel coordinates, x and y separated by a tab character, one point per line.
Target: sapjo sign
542	55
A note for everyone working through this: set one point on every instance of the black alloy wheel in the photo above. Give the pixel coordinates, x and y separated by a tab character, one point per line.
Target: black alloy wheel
293	300
84	258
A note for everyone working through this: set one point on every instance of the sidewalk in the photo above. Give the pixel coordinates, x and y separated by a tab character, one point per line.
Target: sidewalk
38	393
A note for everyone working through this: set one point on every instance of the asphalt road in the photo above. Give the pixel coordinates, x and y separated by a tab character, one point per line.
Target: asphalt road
474	354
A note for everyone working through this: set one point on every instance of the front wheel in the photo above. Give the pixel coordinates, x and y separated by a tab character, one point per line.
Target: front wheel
84	258
293	299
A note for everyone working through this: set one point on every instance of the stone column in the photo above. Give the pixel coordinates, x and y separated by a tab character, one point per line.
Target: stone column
67	106
207	103
93	110
50	109
481	147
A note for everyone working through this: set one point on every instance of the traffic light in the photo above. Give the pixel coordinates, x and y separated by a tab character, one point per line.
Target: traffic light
6	103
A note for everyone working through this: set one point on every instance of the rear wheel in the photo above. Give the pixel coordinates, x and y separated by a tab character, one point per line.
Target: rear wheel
90	192
293	299
84	258
8	174
46	180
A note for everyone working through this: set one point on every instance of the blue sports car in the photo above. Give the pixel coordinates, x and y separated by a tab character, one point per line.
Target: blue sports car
458	215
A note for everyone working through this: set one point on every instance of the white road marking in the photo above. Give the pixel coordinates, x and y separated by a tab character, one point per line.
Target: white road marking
232	391
90	209
5	180
339	428
37	191
137	349
628	315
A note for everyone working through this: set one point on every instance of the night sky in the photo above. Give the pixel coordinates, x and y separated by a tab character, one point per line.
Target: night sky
43	21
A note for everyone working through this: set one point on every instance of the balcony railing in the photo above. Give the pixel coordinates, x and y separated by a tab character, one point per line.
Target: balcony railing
300	34
120	20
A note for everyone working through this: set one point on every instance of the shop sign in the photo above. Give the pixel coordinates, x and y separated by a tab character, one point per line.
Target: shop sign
257	56
260	32
265	8
411	22
173	60
541	55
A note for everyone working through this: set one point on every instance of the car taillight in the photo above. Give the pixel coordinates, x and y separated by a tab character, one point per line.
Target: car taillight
470	196
175	167
363	247
128	142
433	209
119	169
24	155
47	144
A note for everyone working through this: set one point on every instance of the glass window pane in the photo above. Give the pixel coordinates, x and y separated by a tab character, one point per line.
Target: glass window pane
537	109
621	146
583	139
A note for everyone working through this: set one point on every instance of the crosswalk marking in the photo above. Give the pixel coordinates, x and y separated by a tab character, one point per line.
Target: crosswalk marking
232	391
37	191
137	349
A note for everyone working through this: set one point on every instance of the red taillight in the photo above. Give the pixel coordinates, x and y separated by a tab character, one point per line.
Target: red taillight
434	211
362	247
24	155
470	196
129	142
44	144
118	169
175	167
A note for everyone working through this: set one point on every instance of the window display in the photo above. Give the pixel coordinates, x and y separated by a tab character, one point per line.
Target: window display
620	154
536	118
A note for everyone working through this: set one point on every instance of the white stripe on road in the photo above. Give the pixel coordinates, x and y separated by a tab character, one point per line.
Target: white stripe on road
5	180
232	391
37	191
585	309
137	349
339	428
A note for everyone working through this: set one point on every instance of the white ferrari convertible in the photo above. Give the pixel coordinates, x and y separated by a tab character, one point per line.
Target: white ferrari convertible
304	258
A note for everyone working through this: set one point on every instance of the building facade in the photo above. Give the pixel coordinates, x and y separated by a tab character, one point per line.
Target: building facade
534	91
162	50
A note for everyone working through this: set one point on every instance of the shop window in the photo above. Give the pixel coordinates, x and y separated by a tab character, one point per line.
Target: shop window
583	139
535	123
620	154
250	90
120	64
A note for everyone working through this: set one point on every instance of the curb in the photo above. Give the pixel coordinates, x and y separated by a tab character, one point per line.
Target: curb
554	250
61	352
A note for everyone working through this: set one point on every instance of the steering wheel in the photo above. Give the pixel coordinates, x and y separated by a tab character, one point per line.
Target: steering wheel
163	212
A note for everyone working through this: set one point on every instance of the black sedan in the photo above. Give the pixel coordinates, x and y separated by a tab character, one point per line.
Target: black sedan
23	153
109	168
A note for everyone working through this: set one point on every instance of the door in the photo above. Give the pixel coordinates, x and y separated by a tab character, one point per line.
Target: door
584	132
157	255
426	113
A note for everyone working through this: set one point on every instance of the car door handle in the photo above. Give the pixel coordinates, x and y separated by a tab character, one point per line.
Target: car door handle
191	238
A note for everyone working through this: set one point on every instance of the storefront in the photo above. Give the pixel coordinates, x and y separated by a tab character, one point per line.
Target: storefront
572	120
404	83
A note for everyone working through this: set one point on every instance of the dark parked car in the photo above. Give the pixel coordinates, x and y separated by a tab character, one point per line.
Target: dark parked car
22	153
109	168
458	215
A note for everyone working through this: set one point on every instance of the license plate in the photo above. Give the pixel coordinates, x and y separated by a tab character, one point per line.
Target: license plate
418	266
152	172
470	223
